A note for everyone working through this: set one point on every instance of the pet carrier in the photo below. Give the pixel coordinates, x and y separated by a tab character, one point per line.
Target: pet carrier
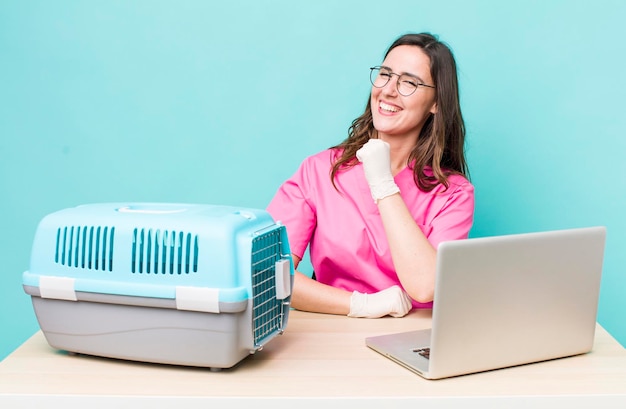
183	284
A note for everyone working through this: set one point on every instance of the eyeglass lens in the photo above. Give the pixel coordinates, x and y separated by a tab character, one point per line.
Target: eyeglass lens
406	85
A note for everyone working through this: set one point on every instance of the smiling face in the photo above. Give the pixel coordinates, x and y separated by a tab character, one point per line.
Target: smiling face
397	116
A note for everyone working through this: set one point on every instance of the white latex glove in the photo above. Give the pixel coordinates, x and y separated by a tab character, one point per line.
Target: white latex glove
377	166
391	301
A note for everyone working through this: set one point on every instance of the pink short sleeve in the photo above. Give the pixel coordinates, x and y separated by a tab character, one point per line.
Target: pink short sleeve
455	218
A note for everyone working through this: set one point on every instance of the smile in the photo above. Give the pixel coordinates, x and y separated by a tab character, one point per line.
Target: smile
388	108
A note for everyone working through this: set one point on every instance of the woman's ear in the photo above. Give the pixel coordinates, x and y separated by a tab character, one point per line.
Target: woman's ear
433	109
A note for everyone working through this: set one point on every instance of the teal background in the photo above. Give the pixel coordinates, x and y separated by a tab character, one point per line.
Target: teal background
218	102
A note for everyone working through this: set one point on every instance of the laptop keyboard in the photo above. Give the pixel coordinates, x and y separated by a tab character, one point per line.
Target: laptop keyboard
425	352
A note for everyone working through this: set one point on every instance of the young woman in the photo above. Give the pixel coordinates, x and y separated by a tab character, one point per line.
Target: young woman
374	208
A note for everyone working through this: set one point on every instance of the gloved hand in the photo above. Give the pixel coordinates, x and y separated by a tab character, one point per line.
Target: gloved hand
377	166
391	301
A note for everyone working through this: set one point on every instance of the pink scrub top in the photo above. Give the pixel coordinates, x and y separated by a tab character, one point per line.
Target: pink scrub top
347	243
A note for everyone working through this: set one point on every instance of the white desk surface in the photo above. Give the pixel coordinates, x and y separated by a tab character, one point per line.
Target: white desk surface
320	361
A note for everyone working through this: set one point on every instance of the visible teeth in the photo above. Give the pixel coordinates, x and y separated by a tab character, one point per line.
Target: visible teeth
387	107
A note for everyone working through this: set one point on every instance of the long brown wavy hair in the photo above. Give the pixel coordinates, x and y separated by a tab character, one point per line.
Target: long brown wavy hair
441	142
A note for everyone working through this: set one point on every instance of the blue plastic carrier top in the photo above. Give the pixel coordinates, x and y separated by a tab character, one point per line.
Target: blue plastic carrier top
202	256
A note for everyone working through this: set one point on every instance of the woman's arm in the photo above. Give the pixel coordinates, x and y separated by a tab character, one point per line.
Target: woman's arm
413	256
311	295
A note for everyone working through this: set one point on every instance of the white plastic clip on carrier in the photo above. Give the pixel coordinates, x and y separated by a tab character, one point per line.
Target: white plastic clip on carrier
182	284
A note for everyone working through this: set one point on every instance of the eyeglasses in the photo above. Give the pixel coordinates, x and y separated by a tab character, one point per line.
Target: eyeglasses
407	84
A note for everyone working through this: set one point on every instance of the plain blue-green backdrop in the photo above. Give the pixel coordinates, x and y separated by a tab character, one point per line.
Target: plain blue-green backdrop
218	102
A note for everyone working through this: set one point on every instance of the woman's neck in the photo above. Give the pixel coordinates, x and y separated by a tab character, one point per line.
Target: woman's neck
400	150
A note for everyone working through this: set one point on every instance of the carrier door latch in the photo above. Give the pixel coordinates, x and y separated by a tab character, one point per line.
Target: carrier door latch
283	279
58	288
198	299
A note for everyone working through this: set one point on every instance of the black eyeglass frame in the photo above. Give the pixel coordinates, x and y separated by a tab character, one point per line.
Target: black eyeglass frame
391	73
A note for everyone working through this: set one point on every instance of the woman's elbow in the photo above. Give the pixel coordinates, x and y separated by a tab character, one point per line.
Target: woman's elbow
422	295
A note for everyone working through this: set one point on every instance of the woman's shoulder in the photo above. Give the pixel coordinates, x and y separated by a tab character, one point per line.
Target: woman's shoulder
456	181
315	166
323	158
460	181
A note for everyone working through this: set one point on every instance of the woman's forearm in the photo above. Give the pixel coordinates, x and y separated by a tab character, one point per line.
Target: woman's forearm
414	258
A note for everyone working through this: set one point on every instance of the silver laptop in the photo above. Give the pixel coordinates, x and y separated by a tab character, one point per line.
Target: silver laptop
505	301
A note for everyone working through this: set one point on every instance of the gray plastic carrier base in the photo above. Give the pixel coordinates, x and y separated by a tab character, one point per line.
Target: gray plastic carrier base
147	334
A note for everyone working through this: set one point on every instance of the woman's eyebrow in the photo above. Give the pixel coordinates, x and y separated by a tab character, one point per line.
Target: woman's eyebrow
404	73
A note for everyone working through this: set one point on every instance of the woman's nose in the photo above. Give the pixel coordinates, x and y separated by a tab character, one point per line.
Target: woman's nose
391	87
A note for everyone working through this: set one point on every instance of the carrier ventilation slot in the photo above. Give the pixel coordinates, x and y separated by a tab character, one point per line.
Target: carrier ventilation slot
164	252
87	247
267	310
